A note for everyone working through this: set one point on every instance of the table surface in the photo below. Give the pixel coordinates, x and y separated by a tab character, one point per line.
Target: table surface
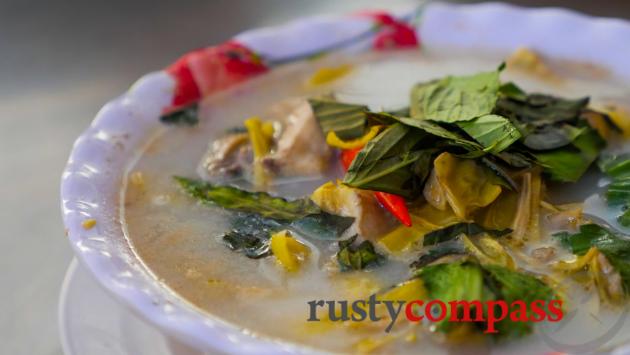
59	62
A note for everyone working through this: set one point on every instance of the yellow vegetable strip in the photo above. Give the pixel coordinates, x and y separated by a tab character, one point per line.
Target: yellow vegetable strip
288	251
329	74
260	135
333	140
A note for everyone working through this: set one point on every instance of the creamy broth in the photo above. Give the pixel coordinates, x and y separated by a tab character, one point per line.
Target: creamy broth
179	240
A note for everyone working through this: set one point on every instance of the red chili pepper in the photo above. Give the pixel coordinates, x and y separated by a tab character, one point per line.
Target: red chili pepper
393	203
348	155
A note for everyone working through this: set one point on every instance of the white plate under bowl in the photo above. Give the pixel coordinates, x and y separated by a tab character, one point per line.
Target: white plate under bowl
92	179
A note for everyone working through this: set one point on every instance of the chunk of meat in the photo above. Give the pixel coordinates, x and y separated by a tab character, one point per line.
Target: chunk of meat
371	220
226	158
301	148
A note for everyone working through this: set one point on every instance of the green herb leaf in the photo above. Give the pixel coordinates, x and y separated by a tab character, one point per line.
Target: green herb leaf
250	235
456	281
469	281
624	218
569	163
618	192
495	133
456	98
432	128
441	250
615	247
516	158
454	230
510	286
388	163
253	246
323	225
358	257
346	120
502	177
186	116
552	137
513	91
593	235
540	109
615	166
244	201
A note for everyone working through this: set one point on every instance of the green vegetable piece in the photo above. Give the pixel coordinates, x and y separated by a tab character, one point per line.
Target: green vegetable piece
624	218
323	225
540	109
432	128
593	235
252	245
348	121
615	166
261	203
454	230
569	163
456	281
187	116
441	250
469	281
618	192
513	91
388	163
456	98
552	137
358	257
495	133
510	286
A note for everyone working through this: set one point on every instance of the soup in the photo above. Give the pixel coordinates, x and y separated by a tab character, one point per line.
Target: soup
460	199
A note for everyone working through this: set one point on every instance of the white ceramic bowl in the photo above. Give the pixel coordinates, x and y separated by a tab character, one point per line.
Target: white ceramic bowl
91	182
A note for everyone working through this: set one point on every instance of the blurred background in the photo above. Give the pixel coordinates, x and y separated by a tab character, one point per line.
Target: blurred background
60	61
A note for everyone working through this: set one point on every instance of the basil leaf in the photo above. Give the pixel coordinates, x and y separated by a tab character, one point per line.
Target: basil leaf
456	98
438	252
456	281
454	230
250	235
244	201
540	109
186	116
569	163
510	286
252	245
495	133
358	257
323	225
503	178
346	120
388	163
624	218
517	159
433	128
552	137
513	91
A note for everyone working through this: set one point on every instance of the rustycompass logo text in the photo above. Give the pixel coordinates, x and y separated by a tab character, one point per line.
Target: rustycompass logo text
486	313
